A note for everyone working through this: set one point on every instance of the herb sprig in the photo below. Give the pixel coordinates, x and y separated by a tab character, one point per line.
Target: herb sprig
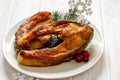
56	16
70	15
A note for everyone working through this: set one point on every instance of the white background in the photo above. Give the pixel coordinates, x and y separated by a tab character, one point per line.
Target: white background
106	17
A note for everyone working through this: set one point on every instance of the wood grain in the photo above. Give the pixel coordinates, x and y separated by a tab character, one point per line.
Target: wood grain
105	17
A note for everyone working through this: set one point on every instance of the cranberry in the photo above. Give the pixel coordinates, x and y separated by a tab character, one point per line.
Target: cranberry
85	53
86	59
79	57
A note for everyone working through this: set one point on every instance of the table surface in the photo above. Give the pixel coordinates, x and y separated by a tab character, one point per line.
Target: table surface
105	17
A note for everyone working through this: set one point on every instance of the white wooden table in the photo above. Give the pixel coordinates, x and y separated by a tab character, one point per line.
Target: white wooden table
106	17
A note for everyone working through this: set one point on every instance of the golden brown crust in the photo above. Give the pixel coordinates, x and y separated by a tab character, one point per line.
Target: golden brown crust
75	36
27	26
31	22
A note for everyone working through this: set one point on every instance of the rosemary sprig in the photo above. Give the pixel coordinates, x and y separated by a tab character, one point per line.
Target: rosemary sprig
56	16
70	15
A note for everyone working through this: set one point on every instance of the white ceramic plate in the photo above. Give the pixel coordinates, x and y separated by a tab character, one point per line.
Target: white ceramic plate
63	70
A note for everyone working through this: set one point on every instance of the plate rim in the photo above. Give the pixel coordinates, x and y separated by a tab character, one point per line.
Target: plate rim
55	77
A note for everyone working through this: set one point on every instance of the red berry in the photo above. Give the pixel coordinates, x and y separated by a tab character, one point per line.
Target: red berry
85	53
79	57
86	59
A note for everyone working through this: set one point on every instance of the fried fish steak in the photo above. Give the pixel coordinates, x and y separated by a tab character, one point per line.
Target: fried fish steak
40	18
75	36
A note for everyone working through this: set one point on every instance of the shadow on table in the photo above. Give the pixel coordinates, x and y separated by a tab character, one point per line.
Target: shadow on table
8	70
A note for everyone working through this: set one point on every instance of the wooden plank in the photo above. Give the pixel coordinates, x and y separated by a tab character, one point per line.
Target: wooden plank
111	26
105	17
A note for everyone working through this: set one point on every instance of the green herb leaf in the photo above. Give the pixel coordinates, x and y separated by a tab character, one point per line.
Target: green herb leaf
56	16
70	15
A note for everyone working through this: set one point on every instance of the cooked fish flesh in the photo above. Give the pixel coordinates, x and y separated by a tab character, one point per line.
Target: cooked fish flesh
40	18
75	36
